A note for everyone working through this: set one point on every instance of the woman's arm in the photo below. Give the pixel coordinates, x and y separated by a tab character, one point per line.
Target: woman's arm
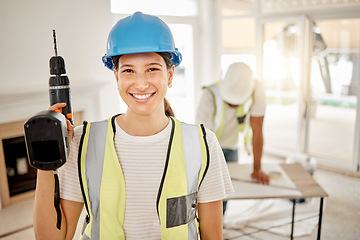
45	214
211	220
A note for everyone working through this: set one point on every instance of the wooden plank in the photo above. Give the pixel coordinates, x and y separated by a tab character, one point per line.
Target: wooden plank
303	181
304	185
246	188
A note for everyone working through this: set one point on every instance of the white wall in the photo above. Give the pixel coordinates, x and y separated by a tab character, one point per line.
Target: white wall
26	45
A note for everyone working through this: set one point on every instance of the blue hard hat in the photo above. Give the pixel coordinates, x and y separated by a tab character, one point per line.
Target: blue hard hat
140	33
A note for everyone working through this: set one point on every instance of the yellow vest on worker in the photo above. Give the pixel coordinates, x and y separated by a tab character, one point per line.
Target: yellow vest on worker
103	185
241	114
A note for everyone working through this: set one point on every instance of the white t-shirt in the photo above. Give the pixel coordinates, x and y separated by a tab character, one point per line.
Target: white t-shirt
230	134
142	160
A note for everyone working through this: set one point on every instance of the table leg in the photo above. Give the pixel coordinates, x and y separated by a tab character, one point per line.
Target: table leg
320	217
292	219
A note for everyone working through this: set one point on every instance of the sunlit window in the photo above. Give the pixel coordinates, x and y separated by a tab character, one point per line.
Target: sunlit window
156	7
236	8
238	33
281	5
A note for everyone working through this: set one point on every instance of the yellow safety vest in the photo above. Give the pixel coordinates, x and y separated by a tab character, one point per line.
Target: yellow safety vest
103	185
241	114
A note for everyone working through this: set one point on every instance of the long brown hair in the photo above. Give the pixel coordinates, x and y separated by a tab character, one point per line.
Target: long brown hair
168	110
167	58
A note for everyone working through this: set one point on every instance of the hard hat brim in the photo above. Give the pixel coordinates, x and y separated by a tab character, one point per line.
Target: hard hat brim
107	60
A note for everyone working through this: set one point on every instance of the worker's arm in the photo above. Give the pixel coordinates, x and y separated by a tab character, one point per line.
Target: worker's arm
210	220
45	216
256	124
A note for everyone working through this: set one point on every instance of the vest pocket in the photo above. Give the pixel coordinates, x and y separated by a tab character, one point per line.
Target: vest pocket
181	210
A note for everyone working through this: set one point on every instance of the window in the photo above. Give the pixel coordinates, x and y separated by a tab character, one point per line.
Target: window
155	7
334	88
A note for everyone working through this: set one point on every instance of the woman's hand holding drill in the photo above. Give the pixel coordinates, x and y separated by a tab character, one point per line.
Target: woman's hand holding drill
58	108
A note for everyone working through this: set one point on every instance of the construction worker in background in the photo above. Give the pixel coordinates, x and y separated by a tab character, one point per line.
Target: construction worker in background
232	105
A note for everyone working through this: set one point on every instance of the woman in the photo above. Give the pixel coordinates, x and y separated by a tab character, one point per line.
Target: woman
172	176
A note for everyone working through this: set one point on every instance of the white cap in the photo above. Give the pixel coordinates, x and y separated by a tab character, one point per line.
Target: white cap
238	84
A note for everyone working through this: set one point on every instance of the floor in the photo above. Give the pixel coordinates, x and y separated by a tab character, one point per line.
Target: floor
341	216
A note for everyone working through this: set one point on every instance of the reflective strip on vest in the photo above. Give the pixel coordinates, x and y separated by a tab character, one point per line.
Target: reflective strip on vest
219	108
241	114
103	183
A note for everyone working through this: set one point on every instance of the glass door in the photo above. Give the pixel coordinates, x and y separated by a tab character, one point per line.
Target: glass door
311	73
281	73
334	91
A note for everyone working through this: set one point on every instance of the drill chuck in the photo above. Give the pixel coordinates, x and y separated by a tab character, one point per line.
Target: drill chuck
57	65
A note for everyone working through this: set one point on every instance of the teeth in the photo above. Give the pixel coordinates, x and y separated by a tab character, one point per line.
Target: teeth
143	96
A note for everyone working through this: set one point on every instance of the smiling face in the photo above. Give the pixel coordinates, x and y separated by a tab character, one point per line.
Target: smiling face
142	80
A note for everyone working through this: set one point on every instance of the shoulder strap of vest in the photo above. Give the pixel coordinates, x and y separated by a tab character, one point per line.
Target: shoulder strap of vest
113	119
85	125
207	153
213	90
219	111
87	219
244	127
166	163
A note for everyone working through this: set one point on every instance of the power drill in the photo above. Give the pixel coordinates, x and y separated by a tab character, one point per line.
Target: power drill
59	85
46	134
